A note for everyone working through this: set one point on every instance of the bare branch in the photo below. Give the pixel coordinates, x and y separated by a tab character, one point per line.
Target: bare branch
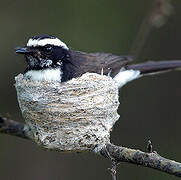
115	153
14	128
152	160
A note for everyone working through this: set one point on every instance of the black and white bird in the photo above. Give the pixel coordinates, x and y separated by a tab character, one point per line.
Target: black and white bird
49	59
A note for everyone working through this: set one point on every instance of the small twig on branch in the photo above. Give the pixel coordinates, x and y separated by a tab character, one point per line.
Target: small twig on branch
152	160
114	164
113	170
14	128
149	147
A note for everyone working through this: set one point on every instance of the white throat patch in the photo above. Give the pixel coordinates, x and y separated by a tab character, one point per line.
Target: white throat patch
44	75
43	42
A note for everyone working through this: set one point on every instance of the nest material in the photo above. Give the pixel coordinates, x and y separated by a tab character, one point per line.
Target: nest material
73	116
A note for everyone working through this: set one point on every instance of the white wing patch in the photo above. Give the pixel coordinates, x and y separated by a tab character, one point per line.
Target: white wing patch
43	42
44	75
125	76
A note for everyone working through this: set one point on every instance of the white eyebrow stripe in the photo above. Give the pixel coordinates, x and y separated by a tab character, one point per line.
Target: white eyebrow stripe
43	42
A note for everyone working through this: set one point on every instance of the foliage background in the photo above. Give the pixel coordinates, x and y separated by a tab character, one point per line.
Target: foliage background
150	107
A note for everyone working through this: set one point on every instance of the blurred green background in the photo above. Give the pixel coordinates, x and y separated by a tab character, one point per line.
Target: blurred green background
150	107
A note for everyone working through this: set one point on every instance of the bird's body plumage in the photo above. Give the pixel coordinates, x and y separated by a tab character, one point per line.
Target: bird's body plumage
101	63
49	59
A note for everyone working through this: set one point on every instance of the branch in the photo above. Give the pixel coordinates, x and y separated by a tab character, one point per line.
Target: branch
115	153
152	160
14	128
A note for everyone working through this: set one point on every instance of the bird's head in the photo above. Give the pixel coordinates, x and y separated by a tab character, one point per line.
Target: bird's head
44	51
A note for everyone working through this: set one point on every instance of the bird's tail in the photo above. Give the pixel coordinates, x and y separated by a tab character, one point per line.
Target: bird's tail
135	71
154	67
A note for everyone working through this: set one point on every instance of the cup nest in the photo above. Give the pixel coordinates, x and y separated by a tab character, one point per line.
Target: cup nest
77	115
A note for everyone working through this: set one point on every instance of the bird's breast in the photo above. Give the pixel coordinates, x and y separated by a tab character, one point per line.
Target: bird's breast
44	75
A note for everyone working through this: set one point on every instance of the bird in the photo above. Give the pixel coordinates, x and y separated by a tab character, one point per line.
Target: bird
50	59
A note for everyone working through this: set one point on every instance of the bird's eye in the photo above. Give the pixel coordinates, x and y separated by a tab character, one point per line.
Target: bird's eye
48	49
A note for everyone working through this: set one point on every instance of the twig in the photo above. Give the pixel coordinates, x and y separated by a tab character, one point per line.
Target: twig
149	147
151	160
113	164
113	170
14	128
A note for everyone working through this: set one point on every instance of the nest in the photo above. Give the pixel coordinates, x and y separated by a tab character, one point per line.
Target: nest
77	115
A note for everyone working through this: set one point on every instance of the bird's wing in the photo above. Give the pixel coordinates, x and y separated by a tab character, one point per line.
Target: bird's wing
99	62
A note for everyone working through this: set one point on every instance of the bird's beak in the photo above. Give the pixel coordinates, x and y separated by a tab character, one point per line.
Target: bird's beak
24	50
